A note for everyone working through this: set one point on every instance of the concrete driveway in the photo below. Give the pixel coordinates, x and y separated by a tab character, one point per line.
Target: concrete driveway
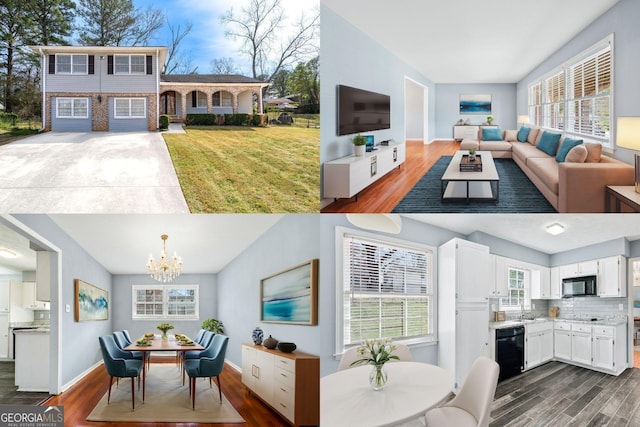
61	172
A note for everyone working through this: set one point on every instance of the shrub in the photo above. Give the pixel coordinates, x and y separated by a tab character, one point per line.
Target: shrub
164	122
10	118
201	119
259	120
238	119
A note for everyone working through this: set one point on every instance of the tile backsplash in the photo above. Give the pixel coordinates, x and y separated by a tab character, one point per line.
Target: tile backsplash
585	307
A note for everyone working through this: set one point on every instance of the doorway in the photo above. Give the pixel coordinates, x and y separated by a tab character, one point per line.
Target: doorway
416	111
168	102
634	303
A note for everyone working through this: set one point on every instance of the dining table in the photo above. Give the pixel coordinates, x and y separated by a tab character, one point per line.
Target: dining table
159	344
347	399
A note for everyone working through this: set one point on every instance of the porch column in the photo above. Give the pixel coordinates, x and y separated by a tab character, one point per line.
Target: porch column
235	102
209	101
260	101
183	104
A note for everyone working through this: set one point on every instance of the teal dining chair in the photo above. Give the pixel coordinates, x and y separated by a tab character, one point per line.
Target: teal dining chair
209	365
118	366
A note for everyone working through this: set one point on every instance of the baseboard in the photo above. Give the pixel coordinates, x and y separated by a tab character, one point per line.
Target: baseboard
74	381
233	365
325	202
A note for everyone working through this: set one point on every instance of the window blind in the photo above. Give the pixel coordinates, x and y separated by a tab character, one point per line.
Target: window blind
387	290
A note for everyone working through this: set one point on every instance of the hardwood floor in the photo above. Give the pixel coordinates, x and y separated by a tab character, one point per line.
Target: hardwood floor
80	400
386	193
557	394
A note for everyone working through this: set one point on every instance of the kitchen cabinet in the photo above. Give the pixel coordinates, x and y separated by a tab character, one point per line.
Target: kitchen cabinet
581	344
288	382
464	275
5	296
32	365
609	348
540	283
579	269
538	343
4	335
555	283
29	297
562	341
612	277
500	284
43	276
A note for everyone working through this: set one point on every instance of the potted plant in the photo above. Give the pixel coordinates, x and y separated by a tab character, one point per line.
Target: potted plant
472	154
489	119
376	352
213	325
359	143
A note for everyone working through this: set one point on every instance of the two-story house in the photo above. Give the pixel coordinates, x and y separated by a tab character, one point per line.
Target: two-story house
103	88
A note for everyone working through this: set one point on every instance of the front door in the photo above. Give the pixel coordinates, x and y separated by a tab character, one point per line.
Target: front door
168	103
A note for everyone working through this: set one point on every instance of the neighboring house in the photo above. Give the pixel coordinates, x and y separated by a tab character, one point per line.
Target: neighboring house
102	88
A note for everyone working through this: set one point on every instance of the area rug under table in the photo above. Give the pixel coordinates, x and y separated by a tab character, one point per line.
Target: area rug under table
166	400
517	193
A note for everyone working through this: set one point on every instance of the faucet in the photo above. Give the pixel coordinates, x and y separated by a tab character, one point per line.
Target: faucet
522	310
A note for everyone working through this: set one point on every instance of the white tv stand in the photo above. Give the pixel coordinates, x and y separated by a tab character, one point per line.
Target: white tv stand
347	176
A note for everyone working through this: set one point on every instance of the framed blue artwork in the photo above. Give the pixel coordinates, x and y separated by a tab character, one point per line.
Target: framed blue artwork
291	296
475	104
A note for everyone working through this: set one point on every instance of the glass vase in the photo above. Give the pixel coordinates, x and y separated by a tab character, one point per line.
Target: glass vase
378	377
164	335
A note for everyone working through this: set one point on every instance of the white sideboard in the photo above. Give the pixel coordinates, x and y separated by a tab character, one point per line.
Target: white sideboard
347	176
461	132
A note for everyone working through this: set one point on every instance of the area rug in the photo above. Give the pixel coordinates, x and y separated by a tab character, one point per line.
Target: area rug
166	400
517	193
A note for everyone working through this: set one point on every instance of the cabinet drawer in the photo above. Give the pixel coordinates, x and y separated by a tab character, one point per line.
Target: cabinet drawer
284	402
285	377
287	364
608	331
565	326
579	327
538	327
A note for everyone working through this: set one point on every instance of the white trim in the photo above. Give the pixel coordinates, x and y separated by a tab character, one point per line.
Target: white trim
79	378
129	72
129	117
44	86
165	302
233	365
73	108
71	73
425	110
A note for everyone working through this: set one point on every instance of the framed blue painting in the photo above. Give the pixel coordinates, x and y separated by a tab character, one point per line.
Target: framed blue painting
291	296
475	104
92	303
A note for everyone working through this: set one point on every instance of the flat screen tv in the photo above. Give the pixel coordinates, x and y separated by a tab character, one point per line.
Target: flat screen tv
362	111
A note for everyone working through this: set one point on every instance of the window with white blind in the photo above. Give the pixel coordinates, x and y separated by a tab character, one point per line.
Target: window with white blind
165	302
130	108
386	290
517	289
130	64
577	97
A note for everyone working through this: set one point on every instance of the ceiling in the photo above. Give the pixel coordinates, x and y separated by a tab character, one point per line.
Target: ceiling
25	259
471	41
529	230
206	243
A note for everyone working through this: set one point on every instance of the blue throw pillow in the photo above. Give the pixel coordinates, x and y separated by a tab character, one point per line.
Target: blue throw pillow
566	146
549	143
491	134
523	133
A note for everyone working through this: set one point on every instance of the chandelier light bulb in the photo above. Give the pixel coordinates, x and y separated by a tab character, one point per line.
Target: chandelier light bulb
164	270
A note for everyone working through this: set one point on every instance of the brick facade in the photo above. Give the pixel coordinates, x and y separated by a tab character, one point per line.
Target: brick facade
100	107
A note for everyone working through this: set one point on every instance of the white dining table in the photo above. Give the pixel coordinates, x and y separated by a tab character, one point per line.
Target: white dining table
347	399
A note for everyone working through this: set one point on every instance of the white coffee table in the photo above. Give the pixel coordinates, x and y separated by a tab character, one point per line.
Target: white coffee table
470	186
347	399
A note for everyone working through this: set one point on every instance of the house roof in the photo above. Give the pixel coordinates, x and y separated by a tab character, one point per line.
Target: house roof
104	50
211	79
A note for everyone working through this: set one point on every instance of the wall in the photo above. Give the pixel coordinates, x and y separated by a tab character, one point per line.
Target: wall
509	249
621	19
80	349
351	58
447	112
122	308
291	241
414	111
600	250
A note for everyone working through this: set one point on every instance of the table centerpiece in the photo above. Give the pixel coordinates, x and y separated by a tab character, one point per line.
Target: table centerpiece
376	352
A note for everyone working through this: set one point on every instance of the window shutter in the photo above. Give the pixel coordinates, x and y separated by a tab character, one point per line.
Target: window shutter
92	66
194	99
110	64
149	64
52	64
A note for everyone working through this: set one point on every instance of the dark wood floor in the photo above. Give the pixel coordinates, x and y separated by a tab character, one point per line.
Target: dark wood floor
557	394
80	400
8	391
383	195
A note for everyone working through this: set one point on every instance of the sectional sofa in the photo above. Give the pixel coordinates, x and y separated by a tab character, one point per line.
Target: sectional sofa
572	176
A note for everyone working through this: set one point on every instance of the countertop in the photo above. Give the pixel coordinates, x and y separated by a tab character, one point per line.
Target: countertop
32	331
512	323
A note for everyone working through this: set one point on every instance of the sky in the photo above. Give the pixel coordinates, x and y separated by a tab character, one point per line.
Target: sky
207	41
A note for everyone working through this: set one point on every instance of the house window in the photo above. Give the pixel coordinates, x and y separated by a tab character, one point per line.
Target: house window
385	289
222	99
72	108
517	289
130	108
577	97
71	64
130	64
165	302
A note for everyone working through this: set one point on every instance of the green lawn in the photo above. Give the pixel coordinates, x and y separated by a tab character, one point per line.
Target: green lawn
239	169
21	130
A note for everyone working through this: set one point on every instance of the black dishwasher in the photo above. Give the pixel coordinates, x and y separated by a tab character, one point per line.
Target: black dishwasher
510	351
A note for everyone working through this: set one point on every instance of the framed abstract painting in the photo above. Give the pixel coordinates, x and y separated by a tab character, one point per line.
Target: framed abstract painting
475	104
291	296
92	303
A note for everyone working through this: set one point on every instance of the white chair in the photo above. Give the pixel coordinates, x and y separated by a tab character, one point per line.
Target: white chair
349	356
403	353
472	406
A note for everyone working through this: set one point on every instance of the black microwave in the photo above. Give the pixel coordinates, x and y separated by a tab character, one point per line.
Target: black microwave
579	287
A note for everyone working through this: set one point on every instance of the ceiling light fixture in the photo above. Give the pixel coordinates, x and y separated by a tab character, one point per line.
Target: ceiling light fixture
164	270
7	253
387	223
555	229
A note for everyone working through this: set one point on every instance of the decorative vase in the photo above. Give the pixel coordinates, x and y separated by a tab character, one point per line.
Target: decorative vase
359	150
472	157
378	377
164	335
257	335
270	342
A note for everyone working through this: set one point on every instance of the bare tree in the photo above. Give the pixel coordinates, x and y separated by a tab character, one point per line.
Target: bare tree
260	27
224	66
148	22
177	61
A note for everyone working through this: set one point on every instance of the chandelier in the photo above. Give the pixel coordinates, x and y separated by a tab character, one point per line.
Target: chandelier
165	269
